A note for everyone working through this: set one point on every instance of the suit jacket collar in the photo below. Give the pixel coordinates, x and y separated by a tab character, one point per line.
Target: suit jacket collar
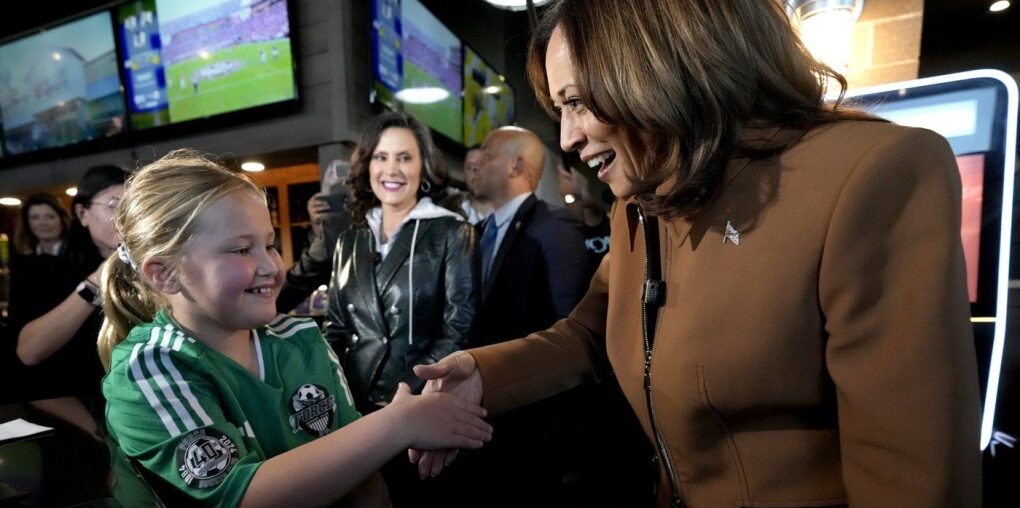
513	230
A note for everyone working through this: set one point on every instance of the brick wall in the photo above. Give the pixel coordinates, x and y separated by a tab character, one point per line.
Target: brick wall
886	43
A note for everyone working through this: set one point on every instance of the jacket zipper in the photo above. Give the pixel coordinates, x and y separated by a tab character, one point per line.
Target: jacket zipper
653	294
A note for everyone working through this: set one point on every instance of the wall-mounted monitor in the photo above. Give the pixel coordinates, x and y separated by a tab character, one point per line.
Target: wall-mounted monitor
488	99
188	59
976	112
61	86
417	65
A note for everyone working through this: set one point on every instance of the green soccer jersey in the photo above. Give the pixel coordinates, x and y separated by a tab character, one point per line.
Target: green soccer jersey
204	423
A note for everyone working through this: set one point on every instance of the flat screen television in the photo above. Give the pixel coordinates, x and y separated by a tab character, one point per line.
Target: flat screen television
488	99
417	65
976	112
188	59
61	86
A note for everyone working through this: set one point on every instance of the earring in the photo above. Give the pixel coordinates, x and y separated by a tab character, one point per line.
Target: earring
426	185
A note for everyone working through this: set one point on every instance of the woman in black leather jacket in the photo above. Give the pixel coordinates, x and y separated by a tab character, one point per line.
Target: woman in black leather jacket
401	244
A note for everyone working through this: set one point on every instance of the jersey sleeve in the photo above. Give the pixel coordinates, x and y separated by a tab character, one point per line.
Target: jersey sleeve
346	412
164	413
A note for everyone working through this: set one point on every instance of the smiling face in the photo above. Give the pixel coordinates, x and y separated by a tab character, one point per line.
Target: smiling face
44	223
230	272
395	169
601	146
98	218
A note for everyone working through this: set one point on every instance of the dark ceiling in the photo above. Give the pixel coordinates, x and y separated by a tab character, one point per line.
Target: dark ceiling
961	35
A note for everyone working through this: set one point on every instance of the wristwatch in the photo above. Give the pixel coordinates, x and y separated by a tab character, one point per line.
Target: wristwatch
89	292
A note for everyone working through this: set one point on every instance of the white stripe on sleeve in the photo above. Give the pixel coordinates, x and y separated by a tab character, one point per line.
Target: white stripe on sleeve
157	376
150	396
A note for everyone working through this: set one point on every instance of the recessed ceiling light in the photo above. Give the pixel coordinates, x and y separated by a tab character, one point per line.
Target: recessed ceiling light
253	167
1001	5
515	5
71	191
10	201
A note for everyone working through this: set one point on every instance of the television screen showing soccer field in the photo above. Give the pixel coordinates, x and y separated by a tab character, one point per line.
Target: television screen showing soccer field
488	99
417	65
199	58
61	86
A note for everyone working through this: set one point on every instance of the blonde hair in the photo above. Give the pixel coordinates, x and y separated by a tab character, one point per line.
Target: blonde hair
156	217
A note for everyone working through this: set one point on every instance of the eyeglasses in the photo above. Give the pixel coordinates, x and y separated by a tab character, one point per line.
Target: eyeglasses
110	205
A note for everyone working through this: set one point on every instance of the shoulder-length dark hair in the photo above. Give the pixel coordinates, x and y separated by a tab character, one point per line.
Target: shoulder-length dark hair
434	172
682	79
82	251
25	241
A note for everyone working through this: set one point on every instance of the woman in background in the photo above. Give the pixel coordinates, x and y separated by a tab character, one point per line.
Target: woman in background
43	223
403	286
54	308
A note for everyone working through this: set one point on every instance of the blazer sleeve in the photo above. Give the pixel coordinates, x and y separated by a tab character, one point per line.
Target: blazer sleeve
892	287
336	328
522	371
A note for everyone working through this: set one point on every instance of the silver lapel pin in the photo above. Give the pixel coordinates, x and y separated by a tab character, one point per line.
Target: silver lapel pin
731	234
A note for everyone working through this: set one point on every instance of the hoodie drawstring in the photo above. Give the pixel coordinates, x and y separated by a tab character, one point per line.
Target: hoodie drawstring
410	285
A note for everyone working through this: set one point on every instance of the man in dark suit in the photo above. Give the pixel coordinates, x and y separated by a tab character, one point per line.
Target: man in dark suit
534	262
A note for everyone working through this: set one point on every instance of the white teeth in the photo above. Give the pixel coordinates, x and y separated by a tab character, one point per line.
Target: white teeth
262	290
597	160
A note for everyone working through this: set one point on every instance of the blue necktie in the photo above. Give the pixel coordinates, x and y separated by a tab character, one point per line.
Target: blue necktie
488	244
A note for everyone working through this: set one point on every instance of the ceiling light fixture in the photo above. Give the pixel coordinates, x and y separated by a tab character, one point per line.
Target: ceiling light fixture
10	201
515	5
253	166
826	28
999	6
422	95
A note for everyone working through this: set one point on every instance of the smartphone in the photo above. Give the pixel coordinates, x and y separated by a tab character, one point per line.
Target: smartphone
336	201
334	176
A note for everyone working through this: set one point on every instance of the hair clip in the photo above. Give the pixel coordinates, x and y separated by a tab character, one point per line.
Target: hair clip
125	256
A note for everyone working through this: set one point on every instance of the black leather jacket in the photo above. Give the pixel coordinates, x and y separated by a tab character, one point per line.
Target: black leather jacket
369	312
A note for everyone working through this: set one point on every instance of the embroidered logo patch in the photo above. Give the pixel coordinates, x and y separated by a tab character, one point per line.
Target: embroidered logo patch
312	410
204	457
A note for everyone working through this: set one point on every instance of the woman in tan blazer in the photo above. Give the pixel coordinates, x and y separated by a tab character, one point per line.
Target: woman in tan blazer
801	333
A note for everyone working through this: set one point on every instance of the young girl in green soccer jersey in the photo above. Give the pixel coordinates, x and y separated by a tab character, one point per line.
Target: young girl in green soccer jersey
217	398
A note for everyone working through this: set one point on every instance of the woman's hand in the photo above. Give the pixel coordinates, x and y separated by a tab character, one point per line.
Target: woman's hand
456	374
317	207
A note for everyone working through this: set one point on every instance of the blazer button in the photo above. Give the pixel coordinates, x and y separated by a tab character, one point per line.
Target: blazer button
354	339
395	310
385	340
350	307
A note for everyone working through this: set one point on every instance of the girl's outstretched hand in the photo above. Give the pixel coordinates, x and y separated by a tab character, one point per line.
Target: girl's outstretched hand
439	420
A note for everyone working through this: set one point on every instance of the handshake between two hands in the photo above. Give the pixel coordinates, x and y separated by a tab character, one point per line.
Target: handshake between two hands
458	376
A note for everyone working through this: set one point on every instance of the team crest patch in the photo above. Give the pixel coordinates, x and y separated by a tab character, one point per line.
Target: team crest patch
204	457
312	410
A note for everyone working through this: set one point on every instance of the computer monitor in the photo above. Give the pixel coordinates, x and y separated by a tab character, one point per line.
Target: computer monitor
976	112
